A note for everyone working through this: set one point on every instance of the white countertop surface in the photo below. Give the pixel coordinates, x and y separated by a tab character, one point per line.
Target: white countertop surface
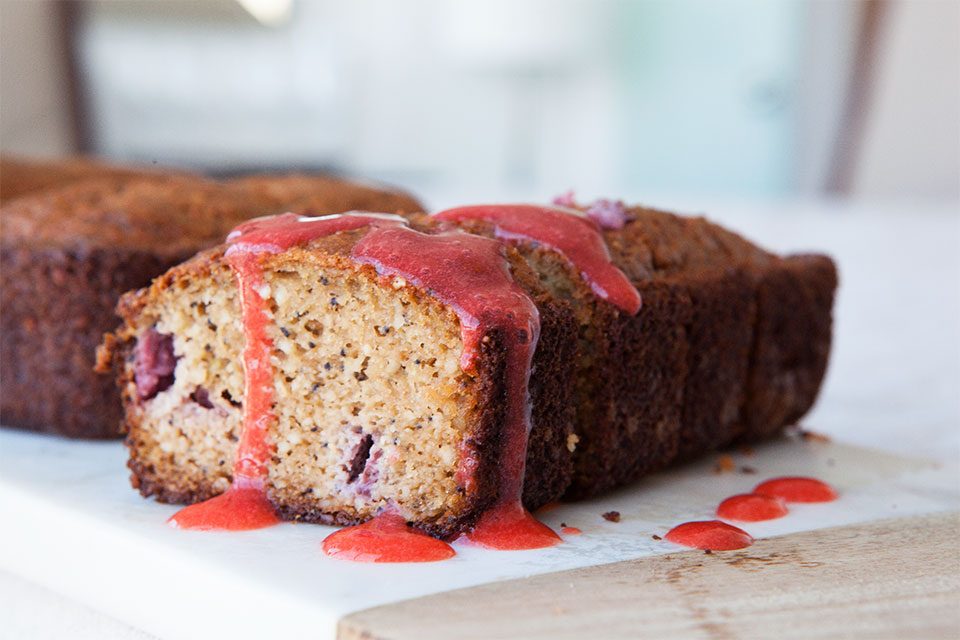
100	557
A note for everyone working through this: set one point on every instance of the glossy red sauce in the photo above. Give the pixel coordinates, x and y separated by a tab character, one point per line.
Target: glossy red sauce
273	234
467	272
510	527
570	531
385	538
577	237
237	509
472	276
797	489
245	505
752	507
709	534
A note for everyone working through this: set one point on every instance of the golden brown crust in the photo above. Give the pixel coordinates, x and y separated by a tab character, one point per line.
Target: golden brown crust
166	215
21	175
318	195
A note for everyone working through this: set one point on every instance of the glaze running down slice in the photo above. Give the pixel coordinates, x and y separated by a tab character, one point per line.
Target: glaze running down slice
350	364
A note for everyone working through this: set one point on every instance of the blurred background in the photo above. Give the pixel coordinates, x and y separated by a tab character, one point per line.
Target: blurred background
482	99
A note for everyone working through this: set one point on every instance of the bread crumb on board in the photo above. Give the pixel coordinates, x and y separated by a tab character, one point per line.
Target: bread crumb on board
725	464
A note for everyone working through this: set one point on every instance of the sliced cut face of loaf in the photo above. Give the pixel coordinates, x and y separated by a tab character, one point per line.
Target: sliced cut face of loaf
372	406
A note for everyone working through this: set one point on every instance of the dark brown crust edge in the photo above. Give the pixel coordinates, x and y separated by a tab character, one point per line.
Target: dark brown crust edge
634	417
792	342
56	303
549	464
720	336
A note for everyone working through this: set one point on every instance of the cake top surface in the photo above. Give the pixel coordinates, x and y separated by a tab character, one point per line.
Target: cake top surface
21	175
320	194
167	215
661	243
172	215
326	250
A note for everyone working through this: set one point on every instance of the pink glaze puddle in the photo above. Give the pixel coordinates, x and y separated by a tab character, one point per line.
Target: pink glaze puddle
752	507
510	527
385	538
237	509
797	489
710	534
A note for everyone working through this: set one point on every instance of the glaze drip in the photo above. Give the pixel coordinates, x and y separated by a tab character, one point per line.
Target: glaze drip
711	535
576	237
472	275
385	538
245	505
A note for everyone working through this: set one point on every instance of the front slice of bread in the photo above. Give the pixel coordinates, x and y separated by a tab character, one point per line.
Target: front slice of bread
371	405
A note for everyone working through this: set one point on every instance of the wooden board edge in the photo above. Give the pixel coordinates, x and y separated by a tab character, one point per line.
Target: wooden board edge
885	579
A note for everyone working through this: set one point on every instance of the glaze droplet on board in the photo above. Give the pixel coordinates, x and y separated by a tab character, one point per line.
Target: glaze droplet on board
712	535
752	507
797	489
385	538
